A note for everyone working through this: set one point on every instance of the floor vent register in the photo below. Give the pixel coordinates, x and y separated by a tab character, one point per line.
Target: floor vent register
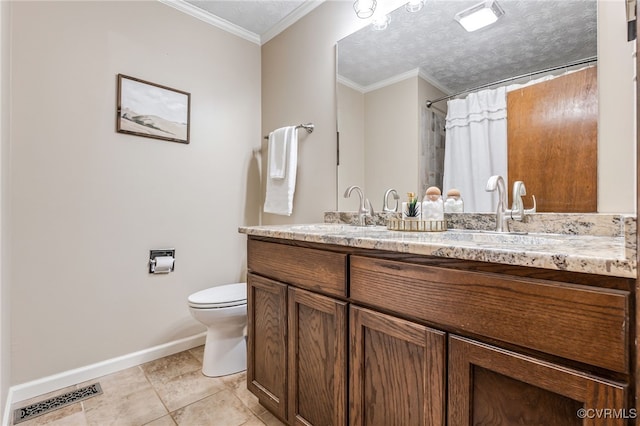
43	407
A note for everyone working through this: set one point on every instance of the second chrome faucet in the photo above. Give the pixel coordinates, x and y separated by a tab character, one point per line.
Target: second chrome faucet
517	211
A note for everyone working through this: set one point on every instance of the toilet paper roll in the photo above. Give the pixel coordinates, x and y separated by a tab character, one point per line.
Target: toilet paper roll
164	264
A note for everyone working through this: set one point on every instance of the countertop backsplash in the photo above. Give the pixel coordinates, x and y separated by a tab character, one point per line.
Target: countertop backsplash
594	224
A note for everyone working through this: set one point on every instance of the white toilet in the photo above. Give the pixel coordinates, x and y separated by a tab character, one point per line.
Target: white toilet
223	310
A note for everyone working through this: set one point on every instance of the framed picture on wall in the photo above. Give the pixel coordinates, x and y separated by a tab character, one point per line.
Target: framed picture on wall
151	110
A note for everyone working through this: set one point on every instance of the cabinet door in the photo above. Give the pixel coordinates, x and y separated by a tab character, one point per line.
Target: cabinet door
397	372
266	344
317	359
492	386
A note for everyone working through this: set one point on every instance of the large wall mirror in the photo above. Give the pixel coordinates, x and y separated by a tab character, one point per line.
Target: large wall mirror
384	79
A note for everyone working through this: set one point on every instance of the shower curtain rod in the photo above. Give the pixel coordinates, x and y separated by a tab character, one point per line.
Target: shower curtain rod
506	80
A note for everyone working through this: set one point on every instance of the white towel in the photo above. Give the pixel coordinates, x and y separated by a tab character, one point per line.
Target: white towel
279	197
278	143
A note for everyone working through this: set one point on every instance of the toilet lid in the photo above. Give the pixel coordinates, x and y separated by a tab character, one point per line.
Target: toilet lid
220	297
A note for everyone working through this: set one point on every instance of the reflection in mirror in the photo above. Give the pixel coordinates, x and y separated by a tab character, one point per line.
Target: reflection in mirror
388	137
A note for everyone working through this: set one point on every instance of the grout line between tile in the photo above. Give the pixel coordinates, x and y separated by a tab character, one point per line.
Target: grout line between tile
155	391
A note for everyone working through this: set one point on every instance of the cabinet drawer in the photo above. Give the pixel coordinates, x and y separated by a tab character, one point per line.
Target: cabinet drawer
317	270
581	323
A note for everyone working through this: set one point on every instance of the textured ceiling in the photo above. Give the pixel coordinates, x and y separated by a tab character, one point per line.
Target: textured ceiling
255	16
532	35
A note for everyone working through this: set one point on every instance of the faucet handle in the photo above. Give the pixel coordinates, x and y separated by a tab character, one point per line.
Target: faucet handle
532	209
369	207
385	203
519	190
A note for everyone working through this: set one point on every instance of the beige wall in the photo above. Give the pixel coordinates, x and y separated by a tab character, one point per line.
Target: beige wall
88	203
299	86
5	237
391	140
351	128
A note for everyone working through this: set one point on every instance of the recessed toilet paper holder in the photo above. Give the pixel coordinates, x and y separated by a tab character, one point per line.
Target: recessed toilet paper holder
160	253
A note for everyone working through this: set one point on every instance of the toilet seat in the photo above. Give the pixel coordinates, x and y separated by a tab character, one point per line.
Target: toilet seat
224	296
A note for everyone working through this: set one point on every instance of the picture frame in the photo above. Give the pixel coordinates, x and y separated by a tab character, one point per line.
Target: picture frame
152	110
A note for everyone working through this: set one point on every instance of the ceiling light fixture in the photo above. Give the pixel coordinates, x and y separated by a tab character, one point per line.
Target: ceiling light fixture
480	15
380	23
364	8
414	5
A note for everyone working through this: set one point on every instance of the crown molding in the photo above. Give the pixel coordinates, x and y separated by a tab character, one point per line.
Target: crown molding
392	80
290	19
379	84
429	79
353	85
417	72
211	19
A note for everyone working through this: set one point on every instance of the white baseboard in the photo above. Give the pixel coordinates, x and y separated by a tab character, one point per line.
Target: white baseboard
51	383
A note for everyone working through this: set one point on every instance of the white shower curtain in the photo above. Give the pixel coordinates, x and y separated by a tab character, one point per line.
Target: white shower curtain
476	147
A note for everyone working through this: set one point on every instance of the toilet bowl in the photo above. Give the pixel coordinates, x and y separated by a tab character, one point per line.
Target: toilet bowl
223	310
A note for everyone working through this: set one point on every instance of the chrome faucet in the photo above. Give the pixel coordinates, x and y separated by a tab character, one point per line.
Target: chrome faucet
365	206
385	204
517	210
497	182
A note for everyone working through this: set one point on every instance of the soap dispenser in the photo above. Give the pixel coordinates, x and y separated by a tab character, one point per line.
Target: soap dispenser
453	203
432	205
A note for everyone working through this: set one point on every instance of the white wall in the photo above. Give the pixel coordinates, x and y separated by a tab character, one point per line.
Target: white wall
89	203
617	113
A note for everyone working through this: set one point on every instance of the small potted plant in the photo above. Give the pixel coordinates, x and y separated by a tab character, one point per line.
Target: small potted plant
411	208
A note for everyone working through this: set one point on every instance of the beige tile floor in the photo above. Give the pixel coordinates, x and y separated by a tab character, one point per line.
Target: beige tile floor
165	392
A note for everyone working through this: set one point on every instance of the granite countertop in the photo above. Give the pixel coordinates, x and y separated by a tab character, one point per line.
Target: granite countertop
611	252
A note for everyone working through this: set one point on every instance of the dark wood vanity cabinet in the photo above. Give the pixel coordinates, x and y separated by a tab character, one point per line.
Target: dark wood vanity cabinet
297	344
426	341
397	371
297	353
